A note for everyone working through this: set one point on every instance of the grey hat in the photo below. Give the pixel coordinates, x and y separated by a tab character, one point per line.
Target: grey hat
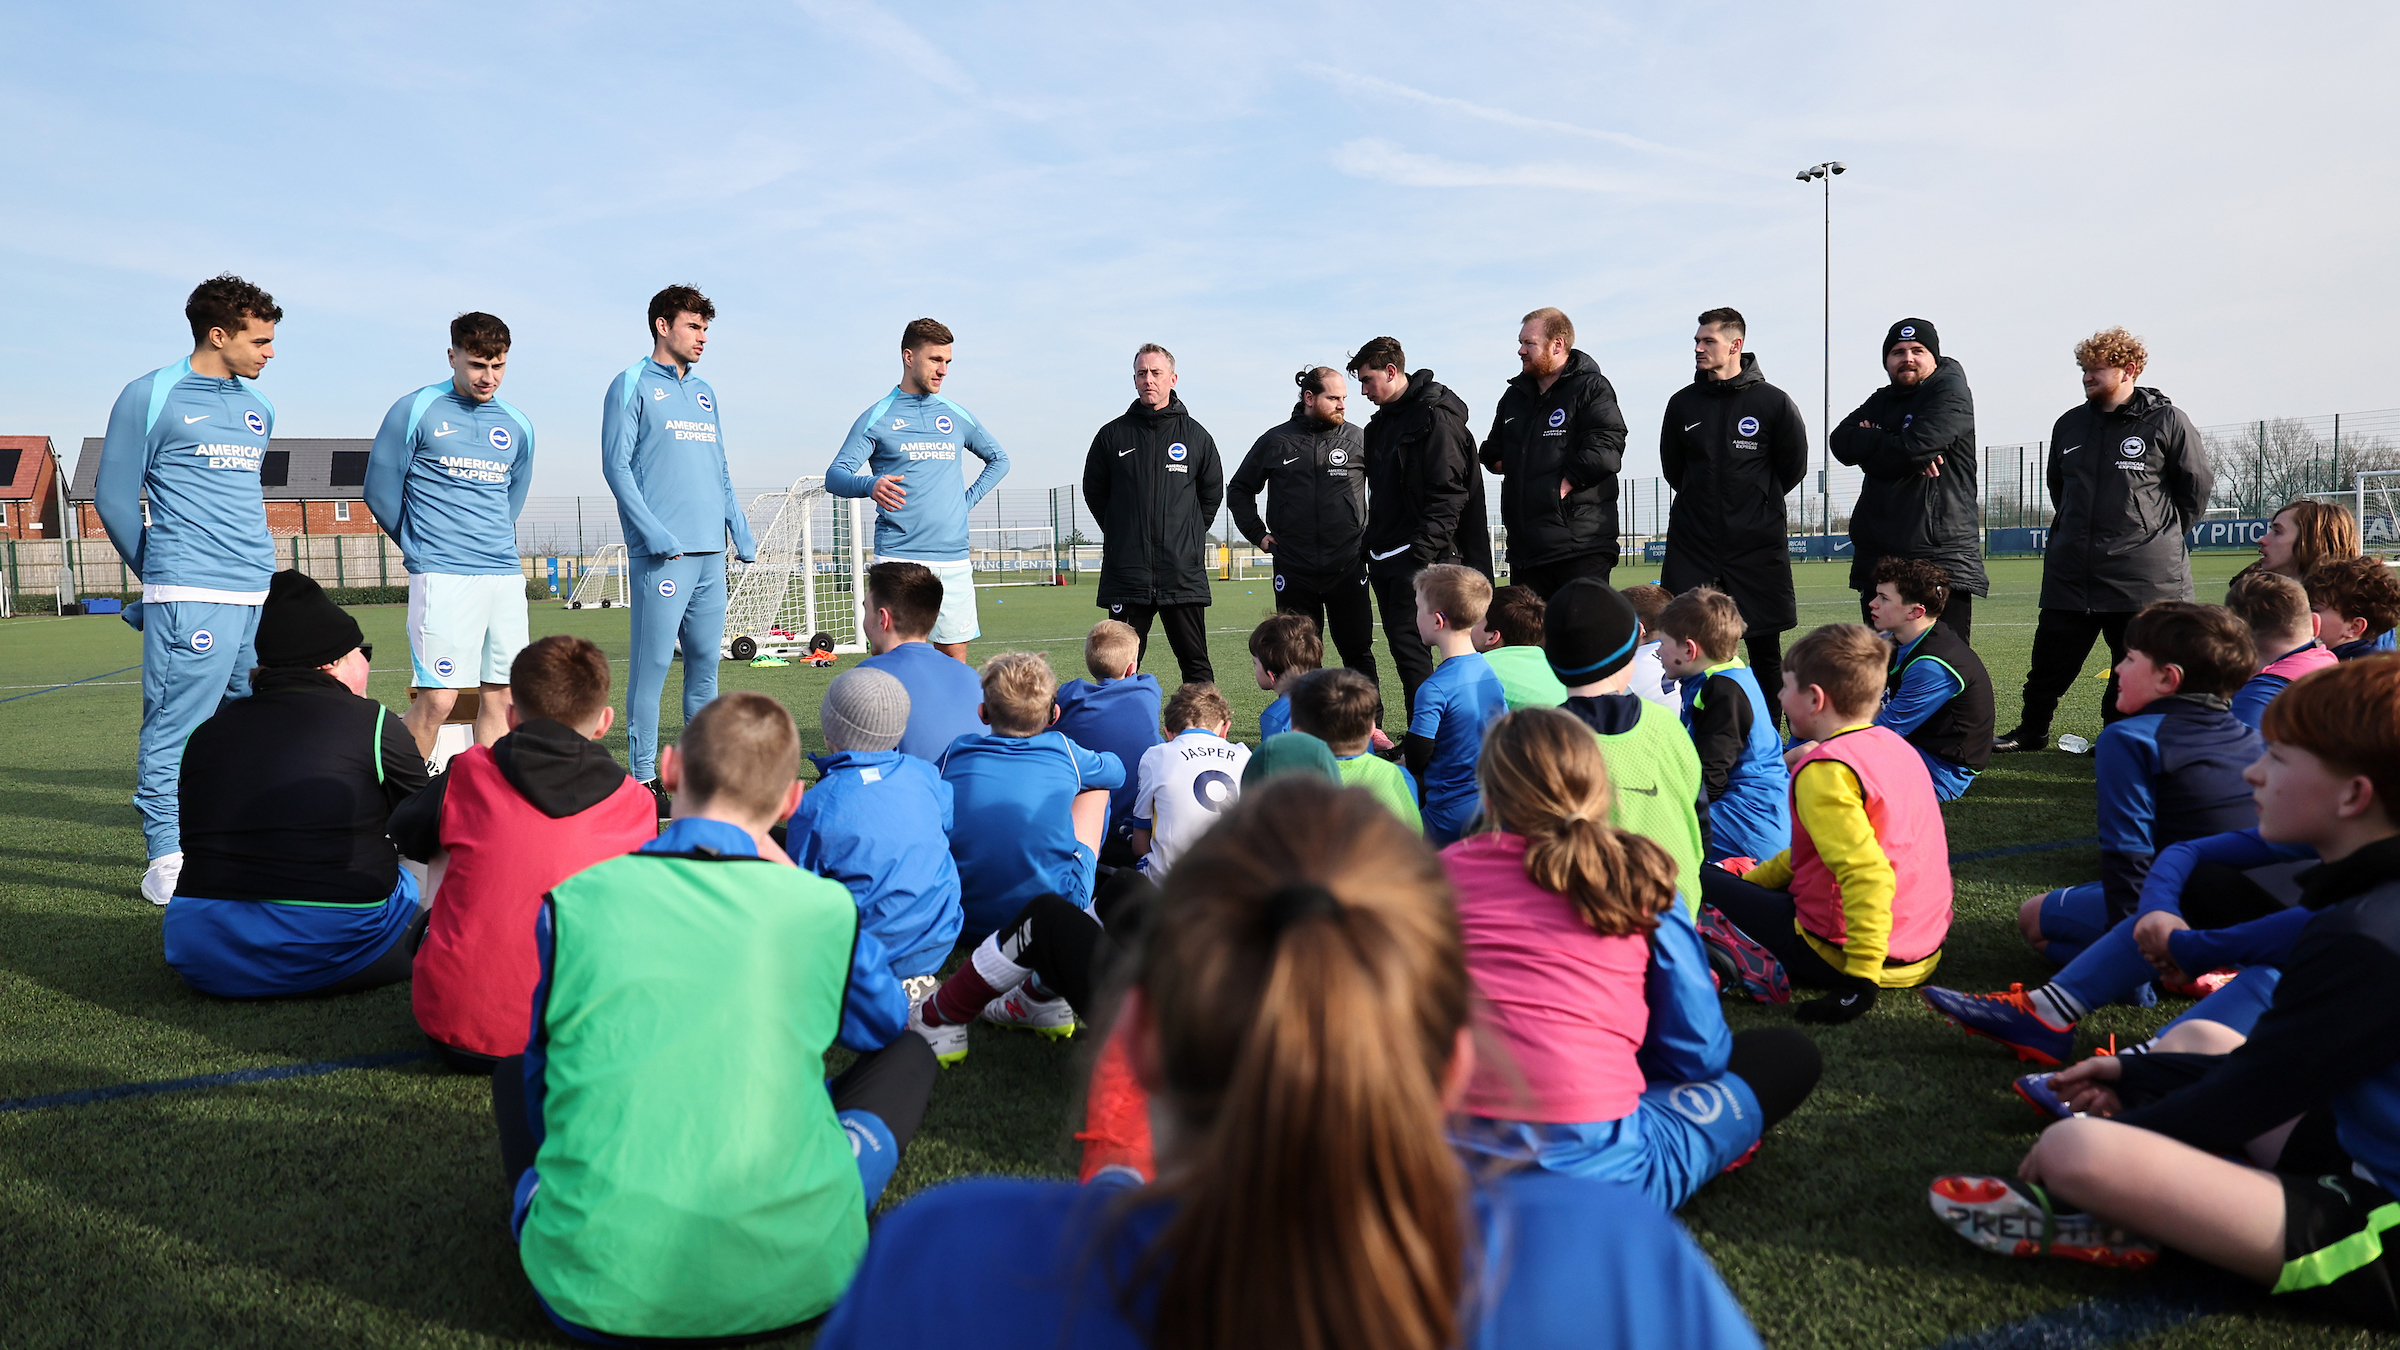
864	710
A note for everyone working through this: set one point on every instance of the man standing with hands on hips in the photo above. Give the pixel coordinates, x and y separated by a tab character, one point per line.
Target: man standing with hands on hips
660	451
904	452
178	492
1557	442
1732	445
1153	481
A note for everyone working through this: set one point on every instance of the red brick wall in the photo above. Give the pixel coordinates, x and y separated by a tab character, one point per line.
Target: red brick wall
282	518
41	507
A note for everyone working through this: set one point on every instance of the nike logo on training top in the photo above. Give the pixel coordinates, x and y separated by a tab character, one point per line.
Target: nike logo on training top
201	418
1647	792
1127	451
1693	425
445	429
1293	460
2070	449
1393	553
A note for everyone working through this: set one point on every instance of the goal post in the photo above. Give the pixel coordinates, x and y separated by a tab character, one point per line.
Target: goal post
2378	503
1013	555
603	584
810	576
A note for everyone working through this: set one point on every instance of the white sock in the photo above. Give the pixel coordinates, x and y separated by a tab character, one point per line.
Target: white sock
997	970
2056	1006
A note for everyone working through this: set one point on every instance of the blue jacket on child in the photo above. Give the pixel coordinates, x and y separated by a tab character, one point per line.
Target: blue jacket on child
1117	717
2169	773
1749	812
878	821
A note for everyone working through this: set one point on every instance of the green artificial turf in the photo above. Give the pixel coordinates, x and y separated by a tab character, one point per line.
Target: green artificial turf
365	1207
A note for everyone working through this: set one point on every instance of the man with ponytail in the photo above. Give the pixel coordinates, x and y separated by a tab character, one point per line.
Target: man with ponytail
1299	1013
1595	981
1313	469
1861	900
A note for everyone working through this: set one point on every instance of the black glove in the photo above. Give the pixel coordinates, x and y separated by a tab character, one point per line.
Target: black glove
1847	1006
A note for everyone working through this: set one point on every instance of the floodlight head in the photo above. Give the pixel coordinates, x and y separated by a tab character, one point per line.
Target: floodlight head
1838	166
1804	175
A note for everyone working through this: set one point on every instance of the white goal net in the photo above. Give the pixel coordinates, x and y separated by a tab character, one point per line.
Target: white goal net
602	584
2378	500
1013	555
810	577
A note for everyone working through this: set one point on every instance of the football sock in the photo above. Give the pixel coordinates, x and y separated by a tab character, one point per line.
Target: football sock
2056	1006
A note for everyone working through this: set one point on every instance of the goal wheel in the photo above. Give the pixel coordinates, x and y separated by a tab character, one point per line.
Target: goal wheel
607	603
822	642
574	604
744	648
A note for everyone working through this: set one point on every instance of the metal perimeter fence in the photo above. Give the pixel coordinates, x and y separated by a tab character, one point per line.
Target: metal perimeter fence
2353	458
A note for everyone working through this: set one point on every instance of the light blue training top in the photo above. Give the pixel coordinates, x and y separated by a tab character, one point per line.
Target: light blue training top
660	453
193	444
447	478
919	436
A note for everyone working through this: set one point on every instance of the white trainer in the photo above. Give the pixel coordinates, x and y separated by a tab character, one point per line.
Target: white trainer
158	884
1051	1019
949	1043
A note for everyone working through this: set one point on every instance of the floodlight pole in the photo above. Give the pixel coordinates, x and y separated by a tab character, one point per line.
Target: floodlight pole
1826	171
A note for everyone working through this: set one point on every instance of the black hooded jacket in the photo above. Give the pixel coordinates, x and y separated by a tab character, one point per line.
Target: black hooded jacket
2128	485
1901	513
1153	481
557	768
1427	501
1316	481
1573	432
1731	449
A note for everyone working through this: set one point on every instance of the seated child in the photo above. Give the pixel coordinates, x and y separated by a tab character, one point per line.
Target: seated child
1619	1061
1650	679
1283	648
501	827
1456	702
289	884
681	1167
1291	752
1937	693
878	821
1338	706
1030	807
1114	712
2284	631
904	600
1510	637
1732	728
1303	975
1861	900
1189	781
2279	1159
2170	770
2357	601
1589	633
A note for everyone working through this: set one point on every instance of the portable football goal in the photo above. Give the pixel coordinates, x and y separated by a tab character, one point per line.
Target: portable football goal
2378	498
602	583
1013	555
810	577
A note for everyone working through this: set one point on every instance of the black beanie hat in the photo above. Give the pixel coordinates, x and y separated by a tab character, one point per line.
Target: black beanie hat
1589	631
301	626
1913	330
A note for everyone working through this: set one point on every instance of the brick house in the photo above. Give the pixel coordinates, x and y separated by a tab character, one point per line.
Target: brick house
312	486
29	507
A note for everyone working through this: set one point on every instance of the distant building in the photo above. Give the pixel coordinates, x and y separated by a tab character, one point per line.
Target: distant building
29	506
311	487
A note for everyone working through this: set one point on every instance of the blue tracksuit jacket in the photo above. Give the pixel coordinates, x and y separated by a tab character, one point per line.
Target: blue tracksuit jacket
1120	717
659	450
878	821
1750	816
2171	772
192	445
447	478
921	437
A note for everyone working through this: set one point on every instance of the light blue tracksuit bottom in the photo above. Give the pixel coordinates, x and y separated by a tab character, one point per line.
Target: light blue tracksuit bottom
196	657
672	598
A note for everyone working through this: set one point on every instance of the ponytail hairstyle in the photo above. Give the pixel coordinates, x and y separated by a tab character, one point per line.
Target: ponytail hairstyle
1311	380
1307	983
1542	777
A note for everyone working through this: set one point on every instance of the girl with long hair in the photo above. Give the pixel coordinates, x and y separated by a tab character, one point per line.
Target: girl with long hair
1299	1012
2303	534
1595	982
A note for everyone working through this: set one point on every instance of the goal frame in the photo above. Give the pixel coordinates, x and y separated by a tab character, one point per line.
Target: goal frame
1042	569
797	546
2379	488
606	584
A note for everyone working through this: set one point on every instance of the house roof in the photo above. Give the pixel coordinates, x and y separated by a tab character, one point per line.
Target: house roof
310	469
21	466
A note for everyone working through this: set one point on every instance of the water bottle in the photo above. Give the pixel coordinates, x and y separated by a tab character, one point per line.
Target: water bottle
2074	745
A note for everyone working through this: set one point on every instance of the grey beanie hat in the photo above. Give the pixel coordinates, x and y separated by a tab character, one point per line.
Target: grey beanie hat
864	710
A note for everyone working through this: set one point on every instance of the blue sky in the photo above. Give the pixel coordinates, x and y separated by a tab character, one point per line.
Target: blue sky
1257	187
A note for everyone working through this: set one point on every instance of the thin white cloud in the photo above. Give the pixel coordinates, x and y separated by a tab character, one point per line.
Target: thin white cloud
1384	162
871	26
1502	116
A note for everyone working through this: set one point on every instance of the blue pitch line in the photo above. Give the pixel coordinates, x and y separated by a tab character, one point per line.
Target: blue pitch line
2012	850
87	1096
71	683
2097	1322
